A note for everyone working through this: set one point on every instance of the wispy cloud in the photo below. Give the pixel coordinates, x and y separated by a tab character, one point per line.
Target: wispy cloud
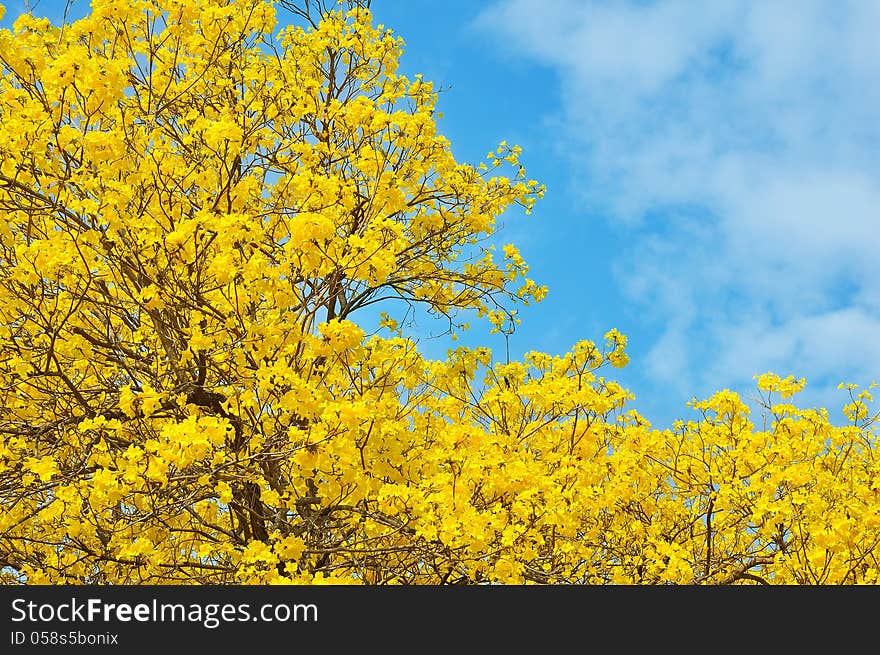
738	144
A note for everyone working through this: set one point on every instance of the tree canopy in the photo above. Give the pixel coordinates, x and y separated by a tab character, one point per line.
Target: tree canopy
200	205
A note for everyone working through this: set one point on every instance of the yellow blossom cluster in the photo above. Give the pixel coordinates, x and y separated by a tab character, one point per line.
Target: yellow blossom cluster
198	206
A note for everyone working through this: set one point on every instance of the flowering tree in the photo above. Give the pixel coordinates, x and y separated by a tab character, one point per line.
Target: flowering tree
199	207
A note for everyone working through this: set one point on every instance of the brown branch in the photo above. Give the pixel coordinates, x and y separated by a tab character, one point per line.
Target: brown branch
743	571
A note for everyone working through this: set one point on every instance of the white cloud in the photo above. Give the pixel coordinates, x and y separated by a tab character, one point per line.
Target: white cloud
738	143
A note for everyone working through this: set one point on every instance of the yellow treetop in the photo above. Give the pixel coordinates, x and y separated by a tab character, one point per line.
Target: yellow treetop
198	207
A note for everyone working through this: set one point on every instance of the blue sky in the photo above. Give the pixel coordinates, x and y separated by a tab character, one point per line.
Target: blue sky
712	178
711	172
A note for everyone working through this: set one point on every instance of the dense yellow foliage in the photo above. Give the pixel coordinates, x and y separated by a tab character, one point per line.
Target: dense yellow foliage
197	206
